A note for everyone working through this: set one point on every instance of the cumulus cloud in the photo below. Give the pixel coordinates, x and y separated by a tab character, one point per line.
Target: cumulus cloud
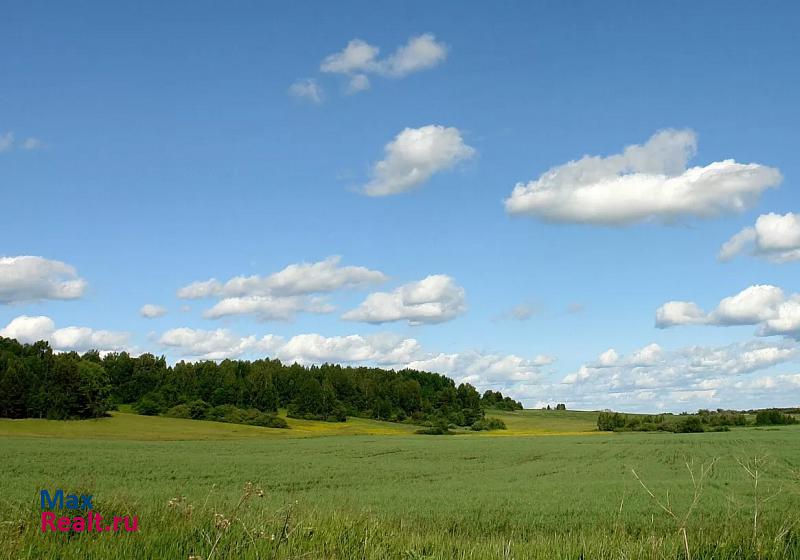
151	311
28	329
295	279
308	90
28	278
774	237
268	308
359	58
649	181
763	305
690	368
217	344
414	156
281	295
485	369
434	299
679	313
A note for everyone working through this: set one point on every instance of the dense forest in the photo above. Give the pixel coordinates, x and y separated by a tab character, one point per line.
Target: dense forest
36	382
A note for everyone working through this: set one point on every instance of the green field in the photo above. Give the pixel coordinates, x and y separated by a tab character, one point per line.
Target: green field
375	490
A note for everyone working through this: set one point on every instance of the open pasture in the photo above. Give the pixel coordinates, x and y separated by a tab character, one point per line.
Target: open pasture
362	494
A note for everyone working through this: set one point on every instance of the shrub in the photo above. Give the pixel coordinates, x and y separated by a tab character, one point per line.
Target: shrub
610	421
148	406
435	431
198	410
773	417
487	424
690	425
179	411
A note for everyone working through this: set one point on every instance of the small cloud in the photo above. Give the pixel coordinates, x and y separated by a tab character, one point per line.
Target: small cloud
414	156
774	237
574	308
359	82
6	141
150	311
434	299
762	305
520	312
31	144
359	58
307	89
29	278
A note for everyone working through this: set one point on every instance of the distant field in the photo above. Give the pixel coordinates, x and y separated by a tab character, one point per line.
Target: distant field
136	427
361	495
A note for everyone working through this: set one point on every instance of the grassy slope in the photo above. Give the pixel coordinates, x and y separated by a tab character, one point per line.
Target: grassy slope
127	426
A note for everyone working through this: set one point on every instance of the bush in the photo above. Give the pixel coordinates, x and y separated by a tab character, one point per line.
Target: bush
773	417
179	411
610	421
690	425
148	406
198	410
487	424
435	431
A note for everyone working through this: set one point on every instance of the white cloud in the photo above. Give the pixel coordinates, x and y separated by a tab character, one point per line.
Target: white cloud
218	344
750	306
151	311
679	313
82	339
608	358
295	279
649	181
359	58
359	82
434	299
322	276
774	237
28	329
200	290
8	141
28	278
414	156
281	295
420	53
31	144
762	305
268	308
485	369
651	367
307	89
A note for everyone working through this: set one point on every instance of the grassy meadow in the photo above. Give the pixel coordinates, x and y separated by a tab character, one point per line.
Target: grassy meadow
367	489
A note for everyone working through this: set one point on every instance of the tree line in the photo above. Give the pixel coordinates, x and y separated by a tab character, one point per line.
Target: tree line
36	382
719	420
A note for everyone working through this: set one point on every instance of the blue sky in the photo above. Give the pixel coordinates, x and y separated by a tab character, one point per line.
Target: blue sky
149	147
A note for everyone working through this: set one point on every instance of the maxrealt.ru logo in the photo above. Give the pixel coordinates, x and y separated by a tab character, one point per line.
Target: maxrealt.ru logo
89	521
